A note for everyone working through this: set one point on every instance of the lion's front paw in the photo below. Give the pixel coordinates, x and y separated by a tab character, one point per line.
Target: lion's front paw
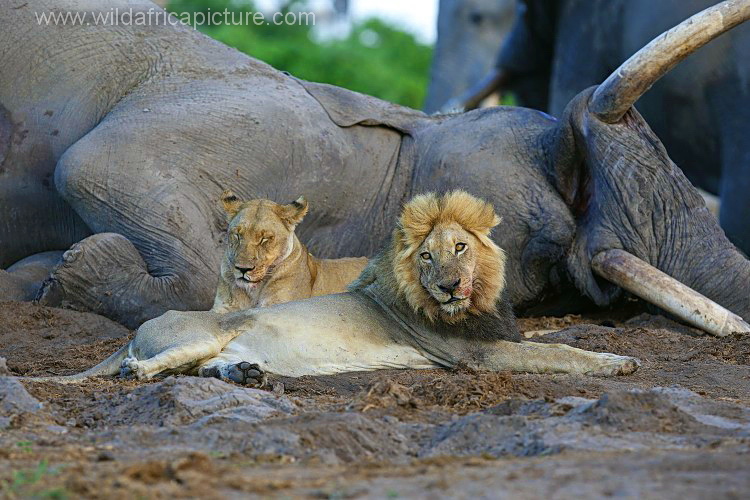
612	364
131	368
246	373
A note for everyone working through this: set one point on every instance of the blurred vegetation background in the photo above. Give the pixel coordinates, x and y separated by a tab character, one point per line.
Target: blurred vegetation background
375	58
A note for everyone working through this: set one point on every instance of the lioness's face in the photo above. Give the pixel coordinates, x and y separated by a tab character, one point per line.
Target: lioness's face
261	236
447	260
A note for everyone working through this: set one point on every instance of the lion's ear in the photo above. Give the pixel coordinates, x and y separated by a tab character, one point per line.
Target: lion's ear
231	203
295	211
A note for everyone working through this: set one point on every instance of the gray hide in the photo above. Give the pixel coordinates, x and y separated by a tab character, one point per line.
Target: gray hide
469	33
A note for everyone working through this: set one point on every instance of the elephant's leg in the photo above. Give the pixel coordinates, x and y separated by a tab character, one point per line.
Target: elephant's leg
22	280
100	273
166	250
532	357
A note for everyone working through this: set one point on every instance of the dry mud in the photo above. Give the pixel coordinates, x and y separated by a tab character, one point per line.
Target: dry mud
679	427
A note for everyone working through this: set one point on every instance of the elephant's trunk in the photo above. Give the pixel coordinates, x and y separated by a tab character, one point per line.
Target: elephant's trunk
635	76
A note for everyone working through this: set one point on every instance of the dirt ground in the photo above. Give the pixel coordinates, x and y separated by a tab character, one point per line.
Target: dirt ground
679	427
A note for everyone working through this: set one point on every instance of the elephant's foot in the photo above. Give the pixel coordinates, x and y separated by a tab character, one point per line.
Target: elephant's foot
23	279
243	373
106	275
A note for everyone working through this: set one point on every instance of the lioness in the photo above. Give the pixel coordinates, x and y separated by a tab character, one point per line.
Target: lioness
434	297
266	264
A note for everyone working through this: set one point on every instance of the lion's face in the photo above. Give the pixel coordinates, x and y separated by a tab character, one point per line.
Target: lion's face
446	262
261	236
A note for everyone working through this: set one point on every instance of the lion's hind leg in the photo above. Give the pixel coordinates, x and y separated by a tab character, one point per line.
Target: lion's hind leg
179	359
533	357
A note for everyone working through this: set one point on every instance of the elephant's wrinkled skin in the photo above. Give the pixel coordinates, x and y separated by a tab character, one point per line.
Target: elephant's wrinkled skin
700	110
144	127
469	32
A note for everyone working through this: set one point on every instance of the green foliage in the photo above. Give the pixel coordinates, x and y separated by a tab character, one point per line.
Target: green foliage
376	58
24	484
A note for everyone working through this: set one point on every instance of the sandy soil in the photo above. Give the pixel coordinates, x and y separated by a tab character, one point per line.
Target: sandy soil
679	427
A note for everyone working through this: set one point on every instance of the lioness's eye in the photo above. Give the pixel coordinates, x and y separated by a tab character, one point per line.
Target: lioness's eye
236	236
460	247
263	241
426	256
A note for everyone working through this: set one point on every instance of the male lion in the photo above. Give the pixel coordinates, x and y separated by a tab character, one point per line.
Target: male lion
434	297
266	264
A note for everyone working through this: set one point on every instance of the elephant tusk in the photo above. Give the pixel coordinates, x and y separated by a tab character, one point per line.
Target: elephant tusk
636	276
635	76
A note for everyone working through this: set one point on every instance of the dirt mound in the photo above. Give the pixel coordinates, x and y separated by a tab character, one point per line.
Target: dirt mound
641	411
621	420
39	340
17	406
460	391
656	339
185	400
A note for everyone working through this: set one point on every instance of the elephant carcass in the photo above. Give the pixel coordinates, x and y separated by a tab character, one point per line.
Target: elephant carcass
180	117
700	110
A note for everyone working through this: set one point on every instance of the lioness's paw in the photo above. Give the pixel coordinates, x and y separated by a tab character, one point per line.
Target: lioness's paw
612	364
210	372
246	373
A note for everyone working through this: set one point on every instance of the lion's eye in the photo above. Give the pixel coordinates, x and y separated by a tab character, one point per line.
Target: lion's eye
460	247
263	241
426	256
236	236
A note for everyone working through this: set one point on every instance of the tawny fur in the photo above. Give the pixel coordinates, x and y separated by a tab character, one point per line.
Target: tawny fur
418	219
262	235
381	323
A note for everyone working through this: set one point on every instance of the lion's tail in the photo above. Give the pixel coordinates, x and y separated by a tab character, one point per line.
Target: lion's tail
110	366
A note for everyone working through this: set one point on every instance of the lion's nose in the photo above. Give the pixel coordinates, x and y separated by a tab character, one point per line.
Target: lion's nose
450	288
244	270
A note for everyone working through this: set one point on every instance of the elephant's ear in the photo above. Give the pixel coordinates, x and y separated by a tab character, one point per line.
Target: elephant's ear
6	130
347	108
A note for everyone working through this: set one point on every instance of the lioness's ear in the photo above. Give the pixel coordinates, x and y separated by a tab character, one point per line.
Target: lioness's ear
230	202
295	211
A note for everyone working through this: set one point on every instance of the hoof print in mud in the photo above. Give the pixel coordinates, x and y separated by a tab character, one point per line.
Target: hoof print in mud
248	374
